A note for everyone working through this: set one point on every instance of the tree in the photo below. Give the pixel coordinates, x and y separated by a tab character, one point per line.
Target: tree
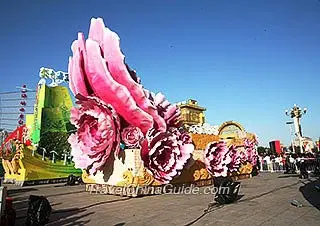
261	150
54	141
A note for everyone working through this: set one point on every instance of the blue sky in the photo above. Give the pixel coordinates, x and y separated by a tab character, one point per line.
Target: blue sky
246	61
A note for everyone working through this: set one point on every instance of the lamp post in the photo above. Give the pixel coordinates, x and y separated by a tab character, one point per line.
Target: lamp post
291	140
296	114
34	148
53	156
43	152
66	155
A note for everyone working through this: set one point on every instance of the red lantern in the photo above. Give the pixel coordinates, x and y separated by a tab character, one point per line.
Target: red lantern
23	95
24	86
21	116
23	103
20	122
22	109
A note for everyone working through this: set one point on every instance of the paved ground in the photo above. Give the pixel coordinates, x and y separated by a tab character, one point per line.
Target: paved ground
265	200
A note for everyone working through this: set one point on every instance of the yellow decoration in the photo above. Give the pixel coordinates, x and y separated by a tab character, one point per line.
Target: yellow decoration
86	179
191	113
246	169
197	171
201	141
143	179
26	167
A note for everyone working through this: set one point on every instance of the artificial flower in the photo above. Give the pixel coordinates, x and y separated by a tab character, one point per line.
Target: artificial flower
98	133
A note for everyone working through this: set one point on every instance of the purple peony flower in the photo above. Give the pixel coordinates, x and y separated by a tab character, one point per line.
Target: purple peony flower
165	153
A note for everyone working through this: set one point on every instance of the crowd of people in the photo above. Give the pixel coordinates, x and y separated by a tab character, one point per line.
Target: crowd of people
302	163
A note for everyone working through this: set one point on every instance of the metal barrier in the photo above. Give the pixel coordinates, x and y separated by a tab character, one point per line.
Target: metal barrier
273	166
307	164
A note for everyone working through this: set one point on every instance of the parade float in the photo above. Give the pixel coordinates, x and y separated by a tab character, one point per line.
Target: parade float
119	136
38	150
130	138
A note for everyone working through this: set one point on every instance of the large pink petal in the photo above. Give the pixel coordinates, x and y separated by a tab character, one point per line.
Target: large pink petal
118	69
112	92
77	75
96	30
70	68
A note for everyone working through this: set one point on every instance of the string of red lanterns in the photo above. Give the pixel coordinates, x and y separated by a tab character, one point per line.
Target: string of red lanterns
23	103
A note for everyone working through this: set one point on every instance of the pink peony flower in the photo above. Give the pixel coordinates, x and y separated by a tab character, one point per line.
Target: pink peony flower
235	162
243	156
251	151
97	67
98	133
165	153
171	113
217	158
131	136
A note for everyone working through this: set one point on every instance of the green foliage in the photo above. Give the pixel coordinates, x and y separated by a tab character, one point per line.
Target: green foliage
261	150
2	172
54	141
52	120
70	127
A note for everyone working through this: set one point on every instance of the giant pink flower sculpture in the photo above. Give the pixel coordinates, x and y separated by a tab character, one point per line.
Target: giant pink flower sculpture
109	91
235	162
98	133
131	136
165	153
97	67
217	159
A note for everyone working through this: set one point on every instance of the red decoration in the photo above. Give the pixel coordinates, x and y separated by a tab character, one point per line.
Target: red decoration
23	95
21	116
22	109
28	143
23	103
24	86
20	122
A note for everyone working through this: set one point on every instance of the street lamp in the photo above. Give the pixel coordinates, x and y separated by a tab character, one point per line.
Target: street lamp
66	155
291	140
296	114
43	152
53	156
34	148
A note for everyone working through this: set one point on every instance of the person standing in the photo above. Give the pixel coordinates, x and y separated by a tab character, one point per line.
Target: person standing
277	163
268	161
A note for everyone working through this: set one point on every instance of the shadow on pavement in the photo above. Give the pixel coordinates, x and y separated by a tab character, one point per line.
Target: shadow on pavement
120	224
311	192
20	190
70	217
288	175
